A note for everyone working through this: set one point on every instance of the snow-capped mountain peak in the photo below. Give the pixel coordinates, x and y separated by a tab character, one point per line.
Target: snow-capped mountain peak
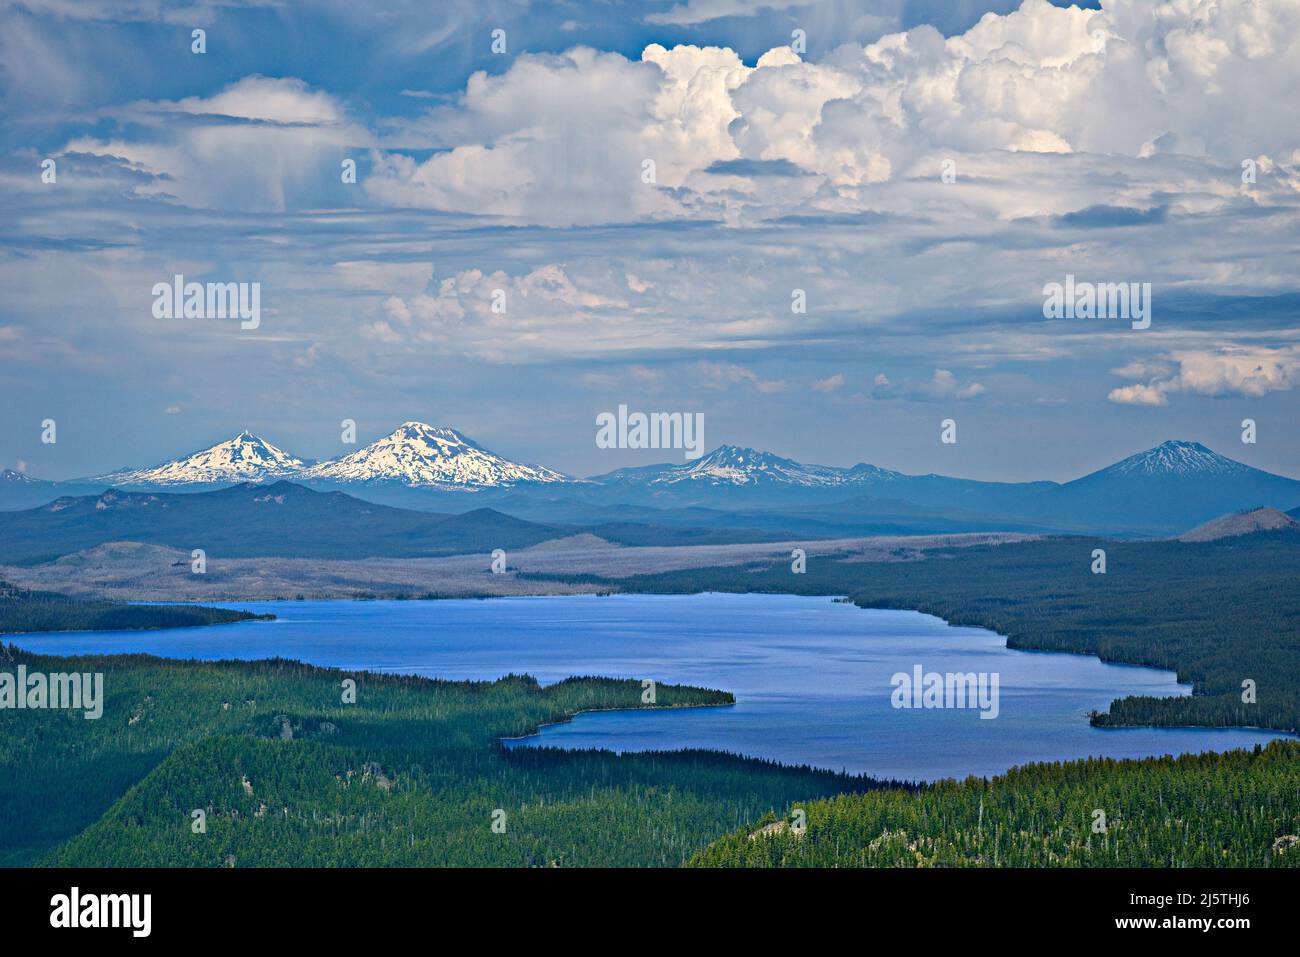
419	431
734	465
739	466
421	455
1179	458
245	458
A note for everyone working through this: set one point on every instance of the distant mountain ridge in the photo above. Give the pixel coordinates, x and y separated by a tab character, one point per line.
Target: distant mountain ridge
20	490
732	465
286	520
1161	491
737	465
743	466
280	519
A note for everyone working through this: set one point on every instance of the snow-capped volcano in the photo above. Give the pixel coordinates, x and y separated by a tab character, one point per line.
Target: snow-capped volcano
1174	482
420	455
1176	457
245	458
732	465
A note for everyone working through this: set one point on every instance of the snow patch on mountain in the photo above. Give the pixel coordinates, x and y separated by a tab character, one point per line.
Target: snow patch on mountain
1177	458
422	456
732	465
245	458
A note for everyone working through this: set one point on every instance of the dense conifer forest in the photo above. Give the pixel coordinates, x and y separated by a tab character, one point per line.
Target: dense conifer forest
284	773
287	773
1236	809
25	610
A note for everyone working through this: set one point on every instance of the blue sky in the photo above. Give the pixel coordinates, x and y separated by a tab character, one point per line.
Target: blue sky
1104	143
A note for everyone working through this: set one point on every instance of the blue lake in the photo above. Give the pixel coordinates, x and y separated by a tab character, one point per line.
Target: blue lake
812	677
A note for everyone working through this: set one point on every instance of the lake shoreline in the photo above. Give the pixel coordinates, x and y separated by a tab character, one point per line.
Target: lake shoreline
806	672
537	733
840	599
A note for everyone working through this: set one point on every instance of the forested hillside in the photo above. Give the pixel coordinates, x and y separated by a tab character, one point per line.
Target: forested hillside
286	773
412	774
1237	809
25	610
